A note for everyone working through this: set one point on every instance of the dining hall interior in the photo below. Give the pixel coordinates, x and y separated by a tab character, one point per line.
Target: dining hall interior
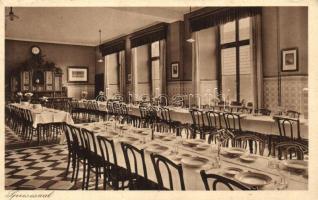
156	98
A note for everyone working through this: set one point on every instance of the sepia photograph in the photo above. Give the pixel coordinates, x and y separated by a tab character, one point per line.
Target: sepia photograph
120	98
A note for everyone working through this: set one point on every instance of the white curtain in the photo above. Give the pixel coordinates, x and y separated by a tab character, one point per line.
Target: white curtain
122	82
195	64
162	64
256	60
134	73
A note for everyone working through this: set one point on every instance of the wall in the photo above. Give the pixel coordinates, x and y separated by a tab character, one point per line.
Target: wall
16	52
175	54
285	27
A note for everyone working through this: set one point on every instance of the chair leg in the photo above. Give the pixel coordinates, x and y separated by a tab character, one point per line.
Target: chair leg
88	174
77	170
68	164
96	179
84	172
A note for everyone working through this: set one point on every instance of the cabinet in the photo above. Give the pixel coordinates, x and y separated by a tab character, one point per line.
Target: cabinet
39	77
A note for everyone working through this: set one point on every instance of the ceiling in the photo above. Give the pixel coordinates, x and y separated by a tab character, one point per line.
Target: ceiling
80	25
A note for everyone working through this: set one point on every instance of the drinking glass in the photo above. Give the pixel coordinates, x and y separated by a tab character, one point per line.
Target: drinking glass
282	183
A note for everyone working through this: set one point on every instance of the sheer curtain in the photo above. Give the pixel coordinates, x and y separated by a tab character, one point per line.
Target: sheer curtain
122	64
162	63
195	64
256	60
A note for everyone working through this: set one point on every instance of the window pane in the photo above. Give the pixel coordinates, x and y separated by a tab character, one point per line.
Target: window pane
228	32
228	59
155	49
244	26
246	89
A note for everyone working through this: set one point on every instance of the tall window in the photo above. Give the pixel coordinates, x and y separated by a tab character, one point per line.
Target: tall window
155	68
236	77
113	73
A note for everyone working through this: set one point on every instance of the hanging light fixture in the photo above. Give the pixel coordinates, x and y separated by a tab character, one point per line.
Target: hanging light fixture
100	56
191	39
11	15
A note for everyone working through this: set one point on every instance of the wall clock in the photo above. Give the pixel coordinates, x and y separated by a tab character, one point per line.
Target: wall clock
35	50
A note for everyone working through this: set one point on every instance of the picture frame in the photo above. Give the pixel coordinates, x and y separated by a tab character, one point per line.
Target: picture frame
175	70
77	74
290	59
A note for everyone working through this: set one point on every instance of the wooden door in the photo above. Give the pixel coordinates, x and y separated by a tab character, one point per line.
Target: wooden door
99	83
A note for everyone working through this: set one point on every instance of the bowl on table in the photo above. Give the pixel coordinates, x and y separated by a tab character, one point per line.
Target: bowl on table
232	171
129	140
202	147
179	156
194	162
253	179
233	152
190	143
168	138
248	158
156	148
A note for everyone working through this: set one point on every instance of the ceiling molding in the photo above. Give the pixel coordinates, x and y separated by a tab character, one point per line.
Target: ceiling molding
50	42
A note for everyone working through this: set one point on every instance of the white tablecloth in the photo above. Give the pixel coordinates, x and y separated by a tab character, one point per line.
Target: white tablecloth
192	177
46	115
261	124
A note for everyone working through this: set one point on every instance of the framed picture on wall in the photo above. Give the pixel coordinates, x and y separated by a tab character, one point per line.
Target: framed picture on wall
174	70
290	59
77	74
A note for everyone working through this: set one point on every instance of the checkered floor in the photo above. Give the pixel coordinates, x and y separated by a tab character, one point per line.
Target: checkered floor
38	168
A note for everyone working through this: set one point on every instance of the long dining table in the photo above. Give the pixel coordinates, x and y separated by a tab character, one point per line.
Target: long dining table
43	115
179	151
249	122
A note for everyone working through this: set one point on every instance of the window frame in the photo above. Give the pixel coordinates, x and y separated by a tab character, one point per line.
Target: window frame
236	44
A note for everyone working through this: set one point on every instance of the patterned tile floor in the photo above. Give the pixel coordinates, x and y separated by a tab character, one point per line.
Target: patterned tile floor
38	168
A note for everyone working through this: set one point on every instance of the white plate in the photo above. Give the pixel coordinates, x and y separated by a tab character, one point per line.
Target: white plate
190	143
296	164
253	179
248	158
168	138
232	171
194	162
128	140
202	147
235	151
156	148
179	156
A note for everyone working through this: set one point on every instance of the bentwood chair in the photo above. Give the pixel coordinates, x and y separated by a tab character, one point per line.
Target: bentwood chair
293	114
137	170
214	123
113	174
218	180
166	121
241	137
198	124
291	150
91	157
79	152
71	158
169	165
289	132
